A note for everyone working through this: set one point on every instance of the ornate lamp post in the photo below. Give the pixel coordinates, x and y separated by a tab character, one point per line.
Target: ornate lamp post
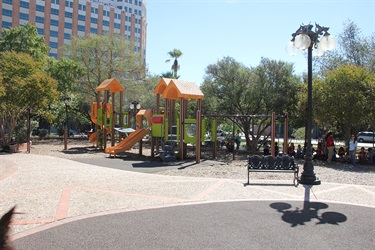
135	106
66	129
316	42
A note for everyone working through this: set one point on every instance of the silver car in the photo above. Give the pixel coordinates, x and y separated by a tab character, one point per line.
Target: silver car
366	136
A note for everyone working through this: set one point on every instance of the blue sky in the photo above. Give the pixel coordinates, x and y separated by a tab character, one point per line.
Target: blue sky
206	31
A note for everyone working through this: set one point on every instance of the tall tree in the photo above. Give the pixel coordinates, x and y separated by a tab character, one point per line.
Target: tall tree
105	57
24	39
345	99
232	88
26	86
175	54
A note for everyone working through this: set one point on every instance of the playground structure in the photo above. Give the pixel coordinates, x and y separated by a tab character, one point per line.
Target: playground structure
253	117
103	114
165	119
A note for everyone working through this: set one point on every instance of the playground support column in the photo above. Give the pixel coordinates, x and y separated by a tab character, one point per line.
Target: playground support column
113	118
273	132
182	121
198	131
121	115
286	133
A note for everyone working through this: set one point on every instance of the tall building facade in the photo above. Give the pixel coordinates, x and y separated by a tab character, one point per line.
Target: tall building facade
59	20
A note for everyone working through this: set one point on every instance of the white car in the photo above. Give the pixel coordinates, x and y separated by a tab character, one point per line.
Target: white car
366	136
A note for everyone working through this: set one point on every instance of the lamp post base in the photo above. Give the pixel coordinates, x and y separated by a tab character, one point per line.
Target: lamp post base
309	180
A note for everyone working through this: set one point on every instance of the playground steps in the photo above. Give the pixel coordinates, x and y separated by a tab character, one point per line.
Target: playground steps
167	152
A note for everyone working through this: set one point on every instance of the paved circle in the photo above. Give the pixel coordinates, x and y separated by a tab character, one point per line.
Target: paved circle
221	225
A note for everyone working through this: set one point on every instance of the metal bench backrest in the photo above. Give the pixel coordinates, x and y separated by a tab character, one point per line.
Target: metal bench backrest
255	162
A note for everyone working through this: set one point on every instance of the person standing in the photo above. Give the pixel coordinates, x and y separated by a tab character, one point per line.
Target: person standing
330	146
238	139
352	149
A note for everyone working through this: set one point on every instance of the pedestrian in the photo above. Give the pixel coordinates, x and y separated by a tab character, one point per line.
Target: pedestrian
352	149
330	146
238	139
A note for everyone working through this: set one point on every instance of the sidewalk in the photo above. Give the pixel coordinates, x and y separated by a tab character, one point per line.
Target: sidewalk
52	191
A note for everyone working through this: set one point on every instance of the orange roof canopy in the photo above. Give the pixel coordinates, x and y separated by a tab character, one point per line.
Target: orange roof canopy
110	84
177	89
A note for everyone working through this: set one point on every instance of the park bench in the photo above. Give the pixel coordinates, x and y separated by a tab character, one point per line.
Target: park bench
281	164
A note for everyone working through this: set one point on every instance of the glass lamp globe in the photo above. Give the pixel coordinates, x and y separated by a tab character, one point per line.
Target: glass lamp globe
317	51
138	106
131	106
302	41
291	49
327	42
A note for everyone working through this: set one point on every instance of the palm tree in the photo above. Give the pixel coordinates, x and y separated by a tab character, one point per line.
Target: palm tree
175	66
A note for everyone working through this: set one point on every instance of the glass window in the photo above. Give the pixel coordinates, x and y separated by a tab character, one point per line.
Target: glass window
54	33
131	1
40	31
7	1
81	28
130	10
24	4
140	3
7	12
39	19
53	54
94	20
93	30
40	8
54	22
67	36
105	23
69	14
126	9
24	16
81	17
6	24
54	11
117	26
66	3
53	45
68	25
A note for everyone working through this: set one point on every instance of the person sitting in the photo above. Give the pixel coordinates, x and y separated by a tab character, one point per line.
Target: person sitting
319	153
299	151
266	150
362	155
370	156
341	152
291	151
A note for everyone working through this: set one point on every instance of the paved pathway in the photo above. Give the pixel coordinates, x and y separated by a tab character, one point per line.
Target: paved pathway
72	205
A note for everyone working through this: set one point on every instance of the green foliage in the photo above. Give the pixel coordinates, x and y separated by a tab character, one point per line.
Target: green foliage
24	39
232	88
345	99
26	86
175	54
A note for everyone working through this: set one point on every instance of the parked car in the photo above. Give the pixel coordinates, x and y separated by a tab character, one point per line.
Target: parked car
366	136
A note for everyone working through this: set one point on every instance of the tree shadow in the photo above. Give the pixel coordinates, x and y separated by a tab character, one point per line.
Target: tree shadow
309	212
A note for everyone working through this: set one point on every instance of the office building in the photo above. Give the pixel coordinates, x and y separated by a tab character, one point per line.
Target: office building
59	20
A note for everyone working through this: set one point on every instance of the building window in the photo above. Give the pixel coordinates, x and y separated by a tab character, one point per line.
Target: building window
69	14
126	9
40	8
53	54
68	25
39	19
67	36
7	12
53	45
140	3
24	4
54	22
130	10
105	23
54	11
117	26
56	1
81	17
93	30
81	28
6	24
7	1
24	16
40	31
54	33
131	1
94	20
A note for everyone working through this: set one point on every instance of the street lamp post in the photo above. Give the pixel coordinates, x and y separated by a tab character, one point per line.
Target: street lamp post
316	42
66	129
135	106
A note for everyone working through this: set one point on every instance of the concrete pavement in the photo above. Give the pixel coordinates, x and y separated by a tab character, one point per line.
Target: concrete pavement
62	200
